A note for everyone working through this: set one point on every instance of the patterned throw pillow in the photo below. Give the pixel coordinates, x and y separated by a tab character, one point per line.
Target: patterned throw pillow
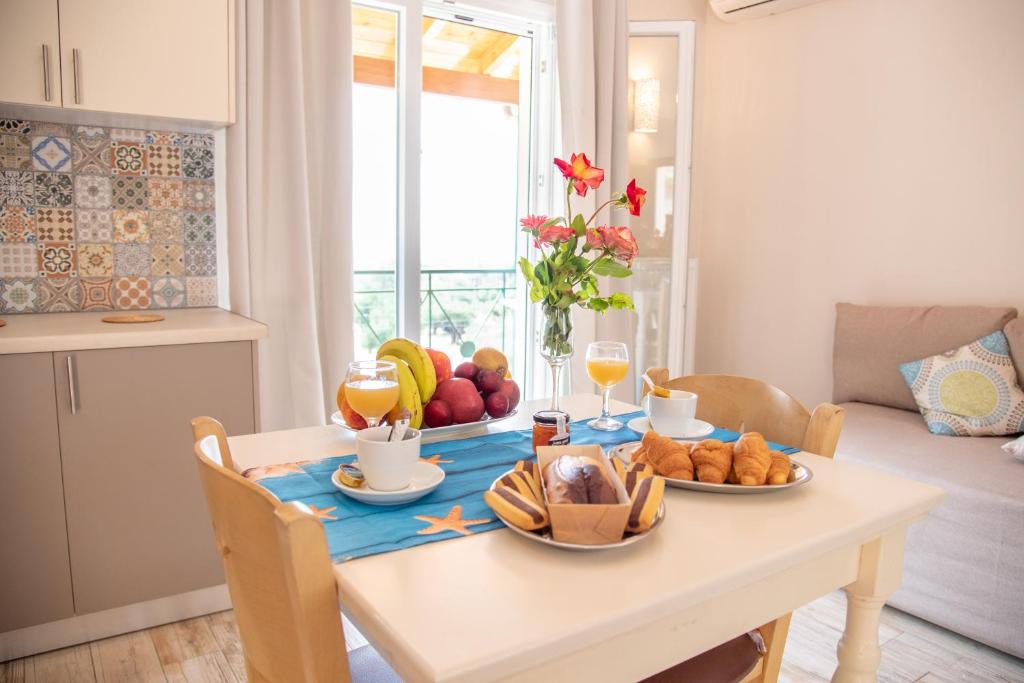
971	391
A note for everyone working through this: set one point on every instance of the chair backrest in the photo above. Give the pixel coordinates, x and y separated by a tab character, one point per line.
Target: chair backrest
743	404
278	572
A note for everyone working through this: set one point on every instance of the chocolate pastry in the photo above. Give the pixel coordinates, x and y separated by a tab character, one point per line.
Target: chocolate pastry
578	480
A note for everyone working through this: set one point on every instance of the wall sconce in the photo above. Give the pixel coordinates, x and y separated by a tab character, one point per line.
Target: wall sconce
646	97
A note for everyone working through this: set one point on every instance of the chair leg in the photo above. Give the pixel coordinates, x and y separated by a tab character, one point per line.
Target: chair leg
774	635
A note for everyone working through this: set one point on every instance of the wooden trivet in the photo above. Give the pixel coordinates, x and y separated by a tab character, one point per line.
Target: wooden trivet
137	318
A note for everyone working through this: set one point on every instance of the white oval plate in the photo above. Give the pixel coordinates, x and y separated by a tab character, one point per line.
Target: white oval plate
699	428
801	474
450	430
544	535
425	479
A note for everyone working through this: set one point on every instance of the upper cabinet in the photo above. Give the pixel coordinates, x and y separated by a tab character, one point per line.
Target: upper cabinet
154	58
29	52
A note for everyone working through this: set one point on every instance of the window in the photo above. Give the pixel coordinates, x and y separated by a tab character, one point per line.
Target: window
444	151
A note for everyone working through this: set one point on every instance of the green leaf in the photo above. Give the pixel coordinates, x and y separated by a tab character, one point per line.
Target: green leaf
543	272
579	225
598	304
551	221
589	285
621	301
527	268
607	266
538	292
566	301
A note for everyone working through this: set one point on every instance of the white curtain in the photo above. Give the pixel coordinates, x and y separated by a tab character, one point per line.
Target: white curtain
593	36
289	172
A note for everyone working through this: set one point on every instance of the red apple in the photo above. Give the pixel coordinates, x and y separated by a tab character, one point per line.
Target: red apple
442	364
461	395
497	405
511	390
437	413
467	370
488	381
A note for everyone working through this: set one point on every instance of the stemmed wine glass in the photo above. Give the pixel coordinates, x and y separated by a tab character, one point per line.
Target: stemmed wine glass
371	388
607	365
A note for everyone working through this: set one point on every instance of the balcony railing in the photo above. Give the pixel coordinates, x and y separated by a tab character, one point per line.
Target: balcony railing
459	309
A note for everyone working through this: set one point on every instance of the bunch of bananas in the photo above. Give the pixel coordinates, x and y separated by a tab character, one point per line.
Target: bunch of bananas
416	378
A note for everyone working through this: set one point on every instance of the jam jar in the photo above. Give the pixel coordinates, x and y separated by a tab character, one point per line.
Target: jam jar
550	428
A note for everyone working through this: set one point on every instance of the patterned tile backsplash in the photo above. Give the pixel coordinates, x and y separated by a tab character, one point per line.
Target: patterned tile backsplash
98	219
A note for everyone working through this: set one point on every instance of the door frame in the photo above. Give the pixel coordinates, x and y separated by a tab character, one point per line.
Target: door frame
678	335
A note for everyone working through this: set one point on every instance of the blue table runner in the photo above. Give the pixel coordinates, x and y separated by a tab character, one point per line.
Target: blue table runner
456	508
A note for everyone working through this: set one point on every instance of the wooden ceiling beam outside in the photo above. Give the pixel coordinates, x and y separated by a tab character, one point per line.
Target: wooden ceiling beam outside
373	71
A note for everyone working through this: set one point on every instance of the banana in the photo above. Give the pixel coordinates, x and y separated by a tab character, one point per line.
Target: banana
419	363
408	394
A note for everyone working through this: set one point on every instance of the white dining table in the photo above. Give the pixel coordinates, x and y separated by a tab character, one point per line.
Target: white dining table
494	606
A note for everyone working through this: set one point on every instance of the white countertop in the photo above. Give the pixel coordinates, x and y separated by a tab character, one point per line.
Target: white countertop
45	332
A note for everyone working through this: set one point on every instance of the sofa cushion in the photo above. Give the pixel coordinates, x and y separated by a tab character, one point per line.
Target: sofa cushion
1014	332
964	567
872	341
970	391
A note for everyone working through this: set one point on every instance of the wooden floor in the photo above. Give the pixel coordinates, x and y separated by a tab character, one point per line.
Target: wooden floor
206	649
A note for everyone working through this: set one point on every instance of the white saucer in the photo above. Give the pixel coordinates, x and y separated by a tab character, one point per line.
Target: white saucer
425	478
698	428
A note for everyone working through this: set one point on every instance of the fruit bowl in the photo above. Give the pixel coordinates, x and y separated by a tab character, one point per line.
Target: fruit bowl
432	432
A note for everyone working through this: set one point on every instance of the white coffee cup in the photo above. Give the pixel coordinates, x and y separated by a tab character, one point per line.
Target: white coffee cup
387	465
671	416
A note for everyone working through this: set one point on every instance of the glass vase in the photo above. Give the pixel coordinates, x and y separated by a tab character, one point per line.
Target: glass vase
554	338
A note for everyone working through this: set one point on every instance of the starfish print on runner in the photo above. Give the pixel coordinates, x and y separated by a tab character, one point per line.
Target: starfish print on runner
452	522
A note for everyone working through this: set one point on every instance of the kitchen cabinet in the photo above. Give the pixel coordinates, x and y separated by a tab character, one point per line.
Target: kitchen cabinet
138	527
166	58
103	523
35	574
30	52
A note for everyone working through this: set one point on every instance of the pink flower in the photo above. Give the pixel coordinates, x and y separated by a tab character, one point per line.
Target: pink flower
531	223
553	234
617	240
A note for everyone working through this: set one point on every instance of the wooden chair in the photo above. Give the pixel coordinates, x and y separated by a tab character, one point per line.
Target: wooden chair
279	576
743	404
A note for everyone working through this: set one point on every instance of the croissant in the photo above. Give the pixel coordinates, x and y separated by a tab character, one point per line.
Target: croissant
778	470
712	459
669	458
751	458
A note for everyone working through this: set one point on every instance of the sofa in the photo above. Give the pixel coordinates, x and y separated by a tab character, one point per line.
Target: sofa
964	566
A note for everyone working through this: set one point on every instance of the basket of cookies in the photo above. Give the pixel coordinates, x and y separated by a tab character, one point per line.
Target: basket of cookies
748	465
574	497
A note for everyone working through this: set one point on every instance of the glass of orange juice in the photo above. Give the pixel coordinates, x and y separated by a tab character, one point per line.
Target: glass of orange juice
607	365
371	388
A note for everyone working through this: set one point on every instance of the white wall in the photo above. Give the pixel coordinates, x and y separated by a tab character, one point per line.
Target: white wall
869	151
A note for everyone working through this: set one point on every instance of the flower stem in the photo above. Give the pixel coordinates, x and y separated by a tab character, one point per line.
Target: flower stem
568	205
594	215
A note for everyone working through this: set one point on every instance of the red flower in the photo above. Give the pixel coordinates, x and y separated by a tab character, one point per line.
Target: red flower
618	240
581	173
531	223
636	197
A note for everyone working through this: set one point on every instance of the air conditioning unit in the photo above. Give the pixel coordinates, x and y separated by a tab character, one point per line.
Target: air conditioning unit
739	10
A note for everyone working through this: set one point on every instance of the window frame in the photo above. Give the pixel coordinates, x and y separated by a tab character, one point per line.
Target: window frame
527	18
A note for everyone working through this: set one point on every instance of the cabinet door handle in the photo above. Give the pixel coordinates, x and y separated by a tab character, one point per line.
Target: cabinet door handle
47	95
72	385
76	63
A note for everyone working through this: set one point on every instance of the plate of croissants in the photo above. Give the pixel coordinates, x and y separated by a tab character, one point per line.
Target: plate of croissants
747	466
